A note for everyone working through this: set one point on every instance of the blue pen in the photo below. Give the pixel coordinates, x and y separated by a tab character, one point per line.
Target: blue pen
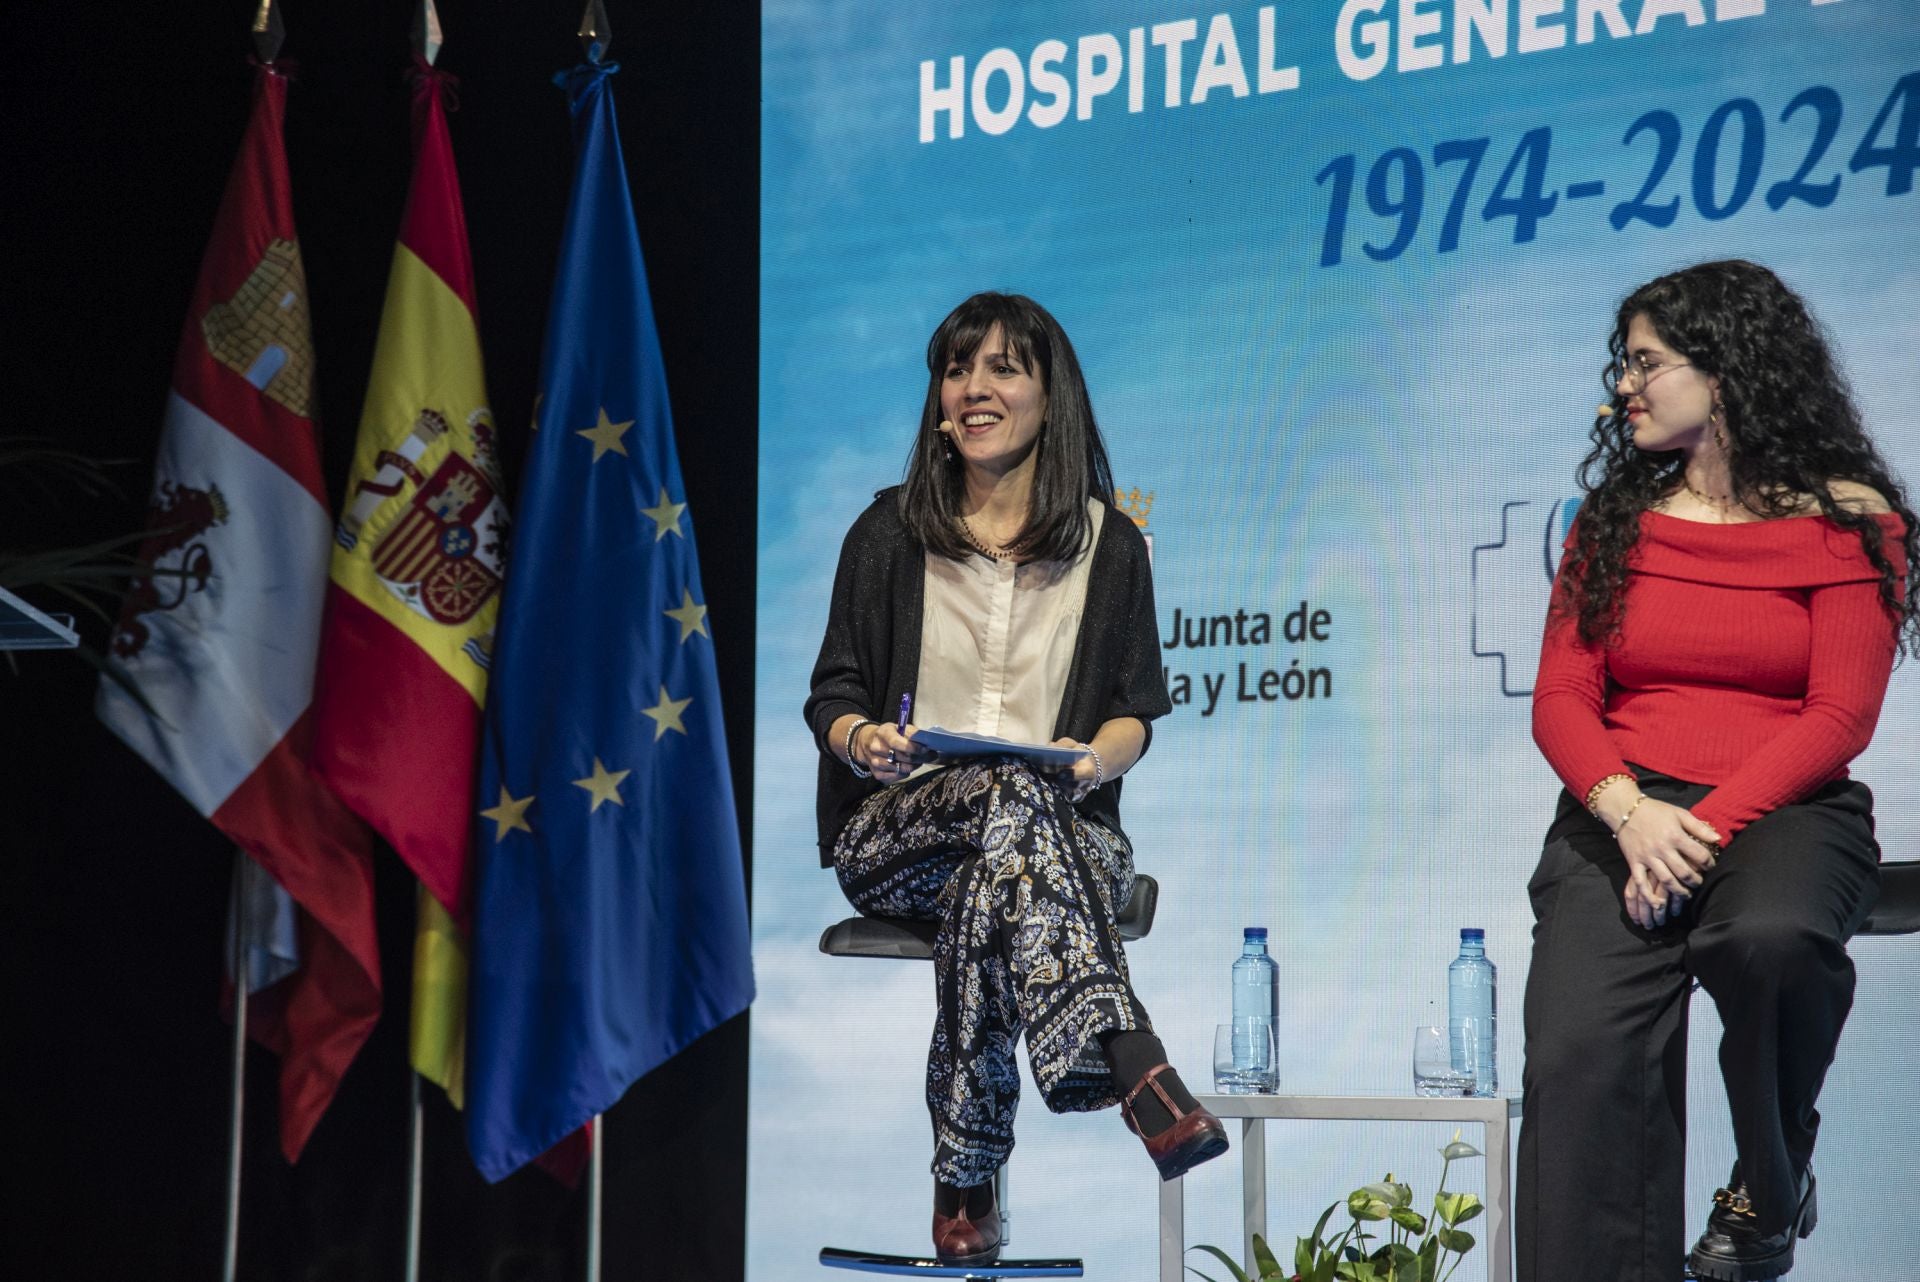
906	706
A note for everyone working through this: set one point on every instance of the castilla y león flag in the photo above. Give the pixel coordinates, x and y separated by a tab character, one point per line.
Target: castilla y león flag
221	636
417	563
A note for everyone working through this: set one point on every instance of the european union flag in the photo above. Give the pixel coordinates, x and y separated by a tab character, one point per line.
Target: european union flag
610	916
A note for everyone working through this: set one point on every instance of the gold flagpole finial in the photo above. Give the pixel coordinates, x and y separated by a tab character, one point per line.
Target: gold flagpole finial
269	32
596	33
427	37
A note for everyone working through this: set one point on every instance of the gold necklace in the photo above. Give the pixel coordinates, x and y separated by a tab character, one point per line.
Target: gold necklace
966	529
1721	505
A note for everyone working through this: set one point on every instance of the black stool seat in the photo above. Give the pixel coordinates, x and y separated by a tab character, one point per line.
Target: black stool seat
917	1267
1898	910
899	937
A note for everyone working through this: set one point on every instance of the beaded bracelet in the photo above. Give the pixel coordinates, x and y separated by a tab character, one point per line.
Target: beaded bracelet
851	763
1593	793
1099	767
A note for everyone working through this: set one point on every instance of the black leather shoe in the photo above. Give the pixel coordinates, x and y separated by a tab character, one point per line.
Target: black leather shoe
1734	1250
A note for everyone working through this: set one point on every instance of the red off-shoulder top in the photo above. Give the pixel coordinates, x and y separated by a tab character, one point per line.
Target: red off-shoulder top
1753	657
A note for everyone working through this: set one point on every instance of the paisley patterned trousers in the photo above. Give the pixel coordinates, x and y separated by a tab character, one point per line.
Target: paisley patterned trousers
1025	890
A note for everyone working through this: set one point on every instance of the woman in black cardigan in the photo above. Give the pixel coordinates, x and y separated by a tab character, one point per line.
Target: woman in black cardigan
1000	588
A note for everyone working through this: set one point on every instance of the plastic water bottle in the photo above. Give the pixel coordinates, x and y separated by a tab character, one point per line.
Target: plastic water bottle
1471	1009
1256	1010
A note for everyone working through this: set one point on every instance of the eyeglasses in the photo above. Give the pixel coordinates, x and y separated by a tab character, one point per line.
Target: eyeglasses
1639	369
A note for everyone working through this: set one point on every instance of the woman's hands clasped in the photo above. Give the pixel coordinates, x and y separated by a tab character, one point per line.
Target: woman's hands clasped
1668	852
889	752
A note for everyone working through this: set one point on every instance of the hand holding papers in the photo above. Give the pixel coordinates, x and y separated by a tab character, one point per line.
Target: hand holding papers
956	744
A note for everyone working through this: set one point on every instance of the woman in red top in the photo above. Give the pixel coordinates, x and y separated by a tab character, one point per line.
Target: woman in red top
1726	615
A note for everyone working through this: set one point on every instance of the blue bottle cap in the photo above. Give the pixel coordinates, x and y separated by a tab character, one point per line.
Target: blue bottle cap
1256	932
1472	932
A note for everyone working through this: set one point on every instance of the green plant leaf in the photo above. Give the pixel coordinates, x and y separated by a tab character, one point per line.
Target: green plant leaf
1303	1256
1264	1260
44	464
1429	1259
1397	1261
1459	1149
1239	1274
1363	1205
1389	1192
1409	1219
1320	1225
1460	1207
1455	1240
25	569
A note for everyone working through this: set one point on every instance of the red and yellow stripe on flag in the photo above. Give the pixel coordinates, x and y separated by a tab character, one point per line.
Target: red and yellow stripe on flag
415	585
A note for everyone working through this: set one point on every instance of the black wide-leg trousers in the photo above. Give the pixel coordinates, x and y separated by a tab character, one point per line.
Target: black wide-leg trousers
1601	1180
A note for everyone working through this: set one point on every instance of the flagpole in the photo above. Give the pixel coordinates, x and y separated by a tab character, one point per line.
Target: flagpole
427	39
269	33
237	1096
414	1148
595	33
596	1167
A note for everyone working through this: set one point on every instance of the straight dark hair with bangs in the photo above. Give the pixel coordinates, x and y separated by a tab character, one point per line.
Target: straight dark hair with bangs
1070	459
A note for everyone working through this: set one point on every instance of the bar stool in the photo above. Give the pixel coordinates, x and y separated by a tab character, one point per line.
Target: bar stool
898	938
1897	911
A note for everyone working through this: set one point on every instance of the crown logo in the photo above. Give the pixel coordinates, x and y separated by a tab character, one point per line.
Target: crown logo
1135	504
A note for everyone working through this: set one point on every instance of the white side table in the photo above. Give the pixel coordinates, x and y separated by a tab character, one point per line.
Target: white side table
1495	1116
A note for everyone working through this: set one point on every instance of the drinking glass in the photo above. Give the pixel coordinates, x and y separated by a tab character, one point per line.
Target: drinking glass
1254	1069
1433	1071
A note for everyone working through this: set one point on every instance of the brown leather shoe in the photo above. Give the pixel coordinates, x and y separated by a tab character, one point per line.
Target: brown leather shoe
958	1239
1193	1138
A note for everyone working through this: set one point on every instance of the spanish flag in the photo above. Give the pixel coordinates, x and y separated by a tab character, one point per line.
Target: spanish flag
415	585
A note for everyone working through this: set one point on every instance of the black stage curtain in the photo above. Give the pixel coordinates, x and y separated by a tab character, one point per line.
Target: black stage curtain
119	126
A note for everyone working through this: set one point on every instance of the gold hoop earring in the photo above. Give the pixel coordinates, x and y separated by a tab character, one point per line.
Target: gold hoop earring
1719	430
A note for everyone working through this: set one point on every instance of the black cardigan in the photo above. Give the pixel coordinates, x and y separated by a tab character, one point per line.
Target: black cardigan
871	653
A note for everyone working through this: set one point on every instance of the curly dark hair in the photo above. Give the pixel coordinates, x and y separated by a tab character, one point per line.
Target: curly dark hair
1070	463
1791	430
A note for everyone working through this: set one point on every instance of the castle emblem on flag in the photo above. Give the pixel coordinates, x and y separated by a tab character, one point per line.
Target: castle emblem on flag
261	332
438	538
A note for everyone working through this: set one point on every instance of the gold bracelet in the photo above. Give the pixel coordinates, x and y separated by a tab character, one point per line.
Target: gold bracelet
1623	818
1593	793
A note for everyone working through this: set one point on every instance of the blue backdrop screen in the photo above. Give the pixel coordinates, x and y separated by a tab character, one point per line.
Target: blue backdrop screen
1341	276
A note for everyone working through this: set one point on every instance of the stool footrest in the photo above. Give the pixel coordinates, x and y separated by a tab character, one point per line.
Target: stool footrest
924	1267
